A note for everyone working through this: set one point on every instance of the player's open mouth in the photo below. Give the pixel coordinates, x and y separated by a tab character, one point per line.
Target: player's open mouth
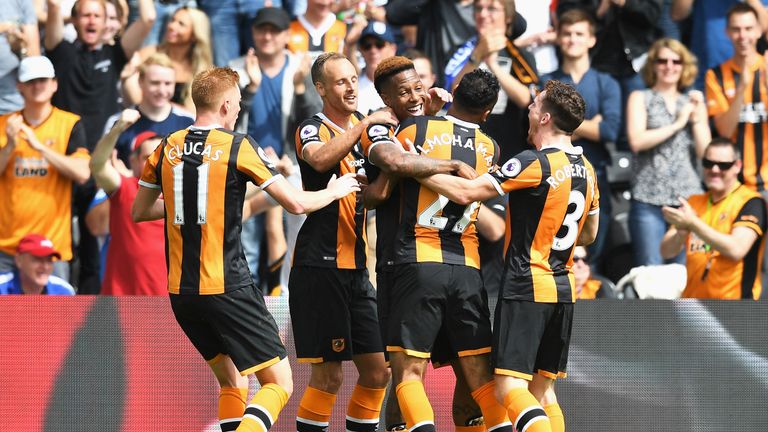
416	110
350	98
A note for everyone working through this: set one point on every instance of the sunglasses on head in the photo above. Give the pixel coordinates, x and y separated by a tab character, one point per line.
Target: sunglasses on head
664	61
365	46
709	164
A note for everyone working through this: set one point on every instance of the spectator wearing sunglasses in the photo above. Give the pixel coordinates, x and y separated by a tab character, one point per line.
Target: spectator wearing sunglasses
588	285
377	42
664	124
721	231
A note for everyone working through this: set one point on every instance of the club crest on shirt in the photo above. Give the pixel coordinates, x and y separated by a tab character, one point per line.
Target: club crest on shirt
307	131
512	167
338	345
377	130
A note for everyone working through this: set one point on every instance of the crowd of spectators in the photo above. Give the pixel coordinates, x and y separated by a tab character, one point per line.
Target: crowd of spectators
105	80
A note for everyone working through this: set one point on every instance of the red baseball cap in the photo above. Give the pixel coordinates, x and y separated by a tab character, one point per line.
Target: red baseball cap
140	138
37	245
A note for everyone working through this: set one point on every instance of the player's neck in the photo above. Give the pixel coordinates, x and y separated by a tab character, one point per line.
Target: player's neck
548	139
36	113
340	118
207	119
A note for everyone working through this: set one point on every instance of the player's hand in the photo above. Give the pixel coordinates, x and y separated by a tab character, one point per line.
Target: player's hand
128	117
344	185
362	179
437	97
409	146
465	171
253	70
383	116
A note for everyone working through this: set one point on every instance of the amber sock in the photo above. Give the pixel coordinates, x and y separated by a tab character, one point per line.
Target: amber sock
264	408
494	415
364	409
525	411
556	418
314	412
475	428
415	406
232	402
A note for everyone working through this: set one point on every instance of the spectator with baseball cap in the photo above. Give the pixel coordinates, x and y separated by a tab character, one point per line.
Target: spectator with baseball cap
377	42
274	97
135	262
42	153
34	267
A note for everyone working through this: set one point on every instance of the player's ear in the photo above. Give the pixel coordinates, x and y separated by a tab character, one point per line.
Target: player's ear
320	88
486	114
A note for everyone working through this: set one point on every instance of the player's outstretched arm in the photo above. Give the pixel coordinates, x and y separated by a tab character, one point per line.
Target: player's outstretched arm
147	206
298	201
393	160
460	190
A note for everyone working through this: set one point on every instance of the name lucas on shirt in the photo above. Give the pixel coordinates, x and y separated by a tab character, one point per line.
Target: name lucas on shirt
190	148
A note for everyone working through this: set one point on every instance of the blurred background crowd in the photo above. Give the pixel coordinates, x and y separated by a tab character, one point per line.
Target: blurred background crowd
89	87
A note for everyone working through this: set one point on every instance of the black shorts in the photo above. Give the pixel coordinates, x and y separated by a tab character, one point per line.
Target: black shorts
235	323
428	297
333	313
531	338
442	353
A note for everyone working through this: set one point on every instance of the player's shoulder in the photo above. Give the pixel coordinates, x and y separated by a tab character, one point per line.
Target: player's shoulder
310	128
420	121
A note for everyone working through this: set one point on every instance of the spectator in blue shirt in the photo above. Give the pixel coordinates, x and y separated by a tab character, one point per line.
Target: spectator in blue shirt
34	265
576	35
156	79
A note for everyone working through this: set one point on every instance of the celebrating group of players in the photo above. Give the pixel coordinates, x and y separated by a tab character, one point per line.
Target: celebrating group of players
425	175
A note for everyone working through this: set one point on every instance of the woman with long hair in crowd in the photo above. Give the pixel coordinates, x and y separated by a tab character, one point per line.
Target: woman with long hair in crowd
187	41
668	130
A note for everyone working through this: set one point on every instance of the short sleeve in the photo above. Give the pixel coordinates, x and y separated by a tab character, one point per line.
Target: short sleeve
374	135
311	131
520	172
594	205
76	145
752	216
255	164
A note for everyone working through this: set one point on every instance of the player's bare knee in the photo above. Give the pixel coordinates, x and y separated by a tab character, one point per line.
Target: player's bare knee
375	378
327	377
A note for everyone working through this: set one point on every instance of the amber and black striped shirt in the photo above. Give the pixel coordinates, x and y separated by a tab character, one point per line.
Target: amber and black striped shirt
335	235
550	194
203	175
433	228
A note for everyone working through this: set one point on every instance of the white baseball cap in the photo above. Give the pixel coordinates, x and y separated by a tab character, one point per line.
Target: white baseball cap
35	67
